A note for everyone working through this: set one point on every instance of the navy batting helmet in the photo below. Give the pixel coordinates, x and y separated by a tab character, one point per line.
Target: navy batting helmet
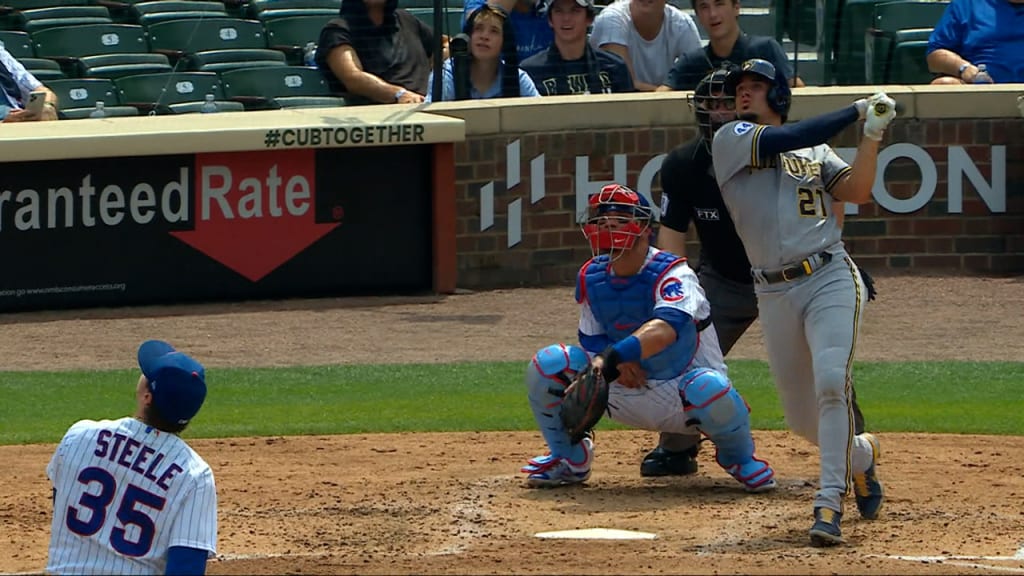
779	95
710	103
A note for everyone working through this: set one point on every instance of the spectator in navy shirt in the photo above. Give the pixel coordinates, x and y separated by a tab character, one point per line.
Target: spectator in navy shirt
571	65
976	32
726	43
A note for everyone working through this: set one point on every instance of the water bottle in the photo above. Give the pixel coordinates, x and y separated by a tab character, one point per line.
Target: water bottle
982	77
309	54
209	106
99	111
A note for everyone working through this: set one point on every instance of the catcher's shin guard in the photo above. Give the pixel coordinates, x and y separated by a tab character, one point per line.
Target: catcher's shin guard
547	375
718	410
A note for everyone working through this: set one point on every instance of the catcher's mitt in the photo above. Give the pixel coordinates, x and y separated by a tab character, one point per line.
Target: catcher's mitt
585	401
869	283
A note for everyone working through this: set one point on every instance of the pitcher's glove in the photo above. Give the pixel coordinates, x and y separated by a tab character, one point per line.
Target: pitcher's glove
869	283
584	403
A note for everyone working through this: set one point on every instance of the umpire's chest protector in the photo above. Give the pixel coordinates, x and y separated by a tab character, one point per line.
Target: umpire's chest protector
621	305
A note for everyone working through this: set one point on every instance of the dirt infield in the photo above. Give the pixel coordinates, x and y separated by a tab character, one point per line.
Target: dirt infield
454	503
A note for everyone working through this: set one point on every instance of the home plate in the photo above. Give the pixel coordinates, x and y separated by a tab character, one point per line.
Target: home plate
598	534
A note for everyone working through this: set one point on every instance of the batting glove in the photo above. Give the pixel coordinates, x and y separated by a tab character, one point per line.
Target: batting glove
862	107
880	113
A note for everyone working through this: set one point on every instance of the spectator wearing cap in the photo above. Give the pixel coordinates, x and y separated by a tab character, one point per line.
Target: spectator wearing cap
570	65
648	34
17	84
726	43
529	24
493	61
375	52
975	32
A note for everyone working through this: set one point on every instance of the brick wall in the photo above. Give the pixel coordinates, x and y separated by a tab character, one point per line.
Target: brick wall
552	248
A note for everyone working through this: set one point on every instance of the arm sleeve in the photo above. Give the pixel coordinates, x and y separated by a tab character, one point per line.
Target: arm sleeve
526	85
777	56
183	560
195	525
771	140
25	80
950	31
686	32
675	209
832	169
426	34
610	27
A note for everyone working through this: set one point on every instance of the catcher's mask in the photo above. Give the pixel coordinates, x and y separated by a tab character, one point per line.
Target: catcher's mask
616	217
779	95
710	103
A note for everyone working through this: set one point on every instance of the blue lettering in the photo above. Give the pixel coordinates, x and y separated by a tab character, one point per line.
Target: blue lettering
102	444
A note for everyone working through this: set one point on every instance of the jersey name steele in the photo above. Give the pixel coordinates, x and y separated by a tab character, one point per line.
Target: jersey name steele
123	452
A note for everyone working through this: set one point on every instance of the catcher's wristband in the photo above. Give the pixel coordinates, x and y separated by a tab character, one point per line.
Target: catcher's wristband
626	350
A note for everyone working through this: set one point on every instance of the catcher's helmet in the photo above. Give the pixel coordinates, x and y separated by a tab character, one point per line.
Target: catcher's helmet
616	217
779	95
710	104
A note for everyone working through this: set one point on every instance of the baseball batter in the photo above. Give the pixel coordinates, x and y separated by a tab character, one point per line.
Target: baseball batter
779	183
130	496
644	323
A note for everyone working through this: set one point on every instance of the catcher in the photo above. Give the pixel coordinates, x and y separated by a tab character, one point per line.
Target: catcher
648	355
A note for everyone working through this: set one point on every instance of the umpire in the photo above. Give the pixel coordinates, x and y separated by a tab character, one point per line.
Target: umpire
690	193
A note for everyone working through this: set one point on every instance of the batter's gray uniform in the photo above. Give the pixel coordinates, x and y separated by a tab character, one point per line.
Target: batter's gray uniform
809	291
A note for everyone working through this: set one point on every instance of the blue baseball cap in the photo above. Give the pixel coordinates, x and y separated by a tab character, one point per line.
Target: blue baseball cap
177	382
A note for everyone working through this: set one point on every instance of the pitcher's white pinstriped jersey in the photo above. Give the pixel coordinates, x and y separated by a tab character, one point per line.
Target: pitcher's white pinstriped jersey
125	493
688	297
781	206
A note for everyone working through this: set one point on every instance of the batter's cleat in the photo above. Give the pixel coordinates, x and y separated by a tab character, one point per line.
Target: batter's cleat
661	462
550	472
866	487
825	531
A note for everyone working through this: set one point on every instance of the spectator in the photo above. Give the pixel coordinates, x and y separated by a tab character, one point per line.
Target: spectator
972	33
726	43
529	23
570	65
17	84
648	34
493	69
375	52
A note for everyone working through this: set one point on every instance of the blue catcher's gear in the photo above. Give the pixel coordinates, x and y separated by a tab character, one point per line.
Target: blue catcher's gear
547	375
718	410
779	95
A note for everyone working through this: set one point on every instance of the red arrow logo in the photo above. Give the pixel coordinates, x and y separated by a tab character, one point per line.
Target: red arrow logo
254	211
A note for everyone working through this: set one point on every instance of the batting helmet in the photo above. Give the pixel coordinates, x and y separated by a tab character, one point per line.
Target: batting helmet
779	95
710	104
616	217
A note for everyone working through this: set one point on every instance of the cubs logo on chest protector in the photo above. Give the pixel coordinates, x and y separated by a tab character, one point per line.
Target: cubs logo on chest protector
621	305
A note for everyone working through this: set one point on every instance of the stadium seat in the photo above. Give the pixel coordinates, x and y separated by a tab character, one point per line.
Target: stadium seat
881	49
78	97
43	69
17	43
909	64
39	18
894	22
173	93
100	50
270	9
430	4
281	87
452	19
214	44
290	35
148	13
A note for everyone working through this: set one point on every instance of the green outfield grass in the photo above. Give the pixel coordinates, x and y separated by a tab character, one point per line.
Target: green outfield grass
956	397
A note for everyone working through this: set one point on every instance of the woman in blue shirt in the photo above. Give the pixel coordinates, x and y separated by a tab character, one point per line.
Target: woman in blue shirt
493	62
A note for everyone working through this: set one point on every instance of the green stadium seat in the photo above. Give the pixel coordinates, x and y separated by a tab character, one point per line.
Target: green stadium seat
881	50
148	13
894	22
173	92
78	97
214	44
100	50
43	69
281	87
269	9
430	4
290	35
17	43
39	18
909	64
452	19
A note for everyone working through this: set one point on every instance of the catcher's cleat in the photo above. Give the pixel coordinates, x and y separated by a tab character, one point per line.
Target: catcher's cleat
825	531
550	472
866	487
661	462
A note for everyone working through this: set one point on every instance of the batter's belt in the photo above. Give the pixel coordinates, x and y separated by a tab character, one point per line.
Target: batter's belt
803	268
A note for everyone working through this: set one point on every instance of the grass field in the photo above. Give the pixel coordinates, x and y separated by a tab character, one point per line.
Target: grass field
954	397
